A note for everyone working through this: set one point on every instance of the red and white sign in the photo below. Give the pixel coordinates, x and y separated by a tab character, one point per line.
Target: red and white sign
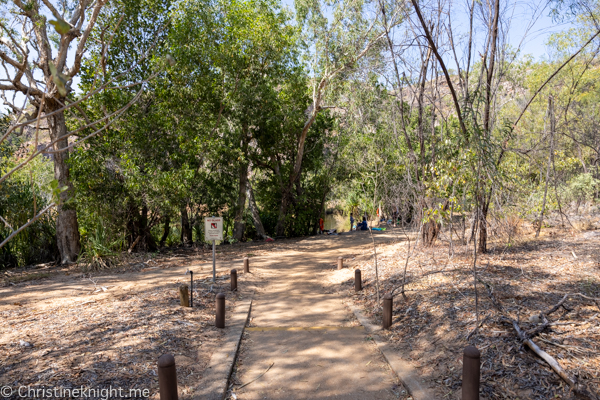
213	228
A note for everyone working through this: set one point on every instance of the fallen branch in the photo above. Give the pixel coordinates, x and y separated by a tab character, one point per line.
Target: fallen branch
541	353
525	338
560	303
551	361
483	321
574	322
575	349
135	242
543	315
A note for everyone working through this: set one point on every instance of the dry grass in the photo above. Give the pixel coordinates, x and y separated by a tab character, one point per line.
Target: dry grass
584	225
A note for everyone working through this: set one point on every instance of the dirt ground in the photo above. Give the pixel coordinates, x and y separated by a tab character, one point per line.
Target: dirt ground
302	342
108	329
437	319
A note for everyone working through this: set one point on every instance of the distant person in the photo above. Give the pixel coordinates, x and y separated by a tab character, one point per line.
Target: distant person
363	226
321	225
351	221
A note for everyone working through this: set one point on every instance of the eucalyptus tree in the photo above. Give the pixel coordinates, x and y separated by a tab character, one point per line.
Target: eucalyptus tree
42	48
480	91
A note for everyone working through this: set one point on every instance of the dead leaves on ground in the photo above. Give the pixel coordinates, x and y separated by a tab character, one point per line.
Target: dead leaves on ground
432	324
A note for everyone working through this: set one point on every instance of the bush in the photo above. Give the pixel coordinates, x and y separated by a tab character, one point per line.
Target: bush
582	187
99	250
22	196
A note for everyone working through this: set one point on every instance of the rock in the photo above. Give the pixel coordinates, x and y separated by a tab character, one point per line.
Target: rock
23	343
535	319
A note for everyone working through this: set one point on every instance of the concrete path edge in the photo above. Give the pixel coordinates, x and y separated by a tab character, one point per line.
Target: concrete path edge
215	381
404	369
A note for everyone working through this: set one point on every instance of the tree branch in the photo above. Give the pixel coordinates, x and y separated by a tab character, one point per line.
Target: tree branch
31	221
443	65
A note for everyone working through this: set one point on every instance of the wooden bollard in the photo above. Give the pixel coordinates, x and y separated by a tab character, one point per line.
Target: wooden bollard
233	279
388	305
471	373
184	296
220	314
357	281
167	377
340	262
246	265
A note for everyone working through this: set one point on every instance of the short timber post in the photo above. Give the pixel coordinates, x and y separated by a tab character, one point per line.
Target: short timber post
233	279
340	262
246	265
388	305
184	296
191	289
357	280
220	314
470	380
167	377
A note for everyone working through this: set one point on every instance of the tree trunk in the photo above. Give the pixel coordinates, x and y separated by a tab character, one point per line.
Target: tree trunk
260	230
139	232
431	230
552	125
487	127
483	227
239	225
280	228
67	228
149	244
166	231
186	229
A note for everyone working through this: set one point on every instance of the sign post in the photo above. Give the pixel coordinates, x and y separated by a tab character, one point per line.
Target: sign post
213	230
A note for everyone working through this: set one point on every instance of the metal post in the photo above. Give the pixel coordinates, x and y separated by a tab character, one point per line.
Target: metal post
357	281
388	305
167	377
340	262
246	265
233	279
471	365
214	263
220	315
191	289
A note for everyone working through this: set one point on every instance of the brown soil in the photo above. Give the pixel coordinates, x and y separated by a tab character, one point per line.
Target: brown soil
107	329
302	341
433	321
78	333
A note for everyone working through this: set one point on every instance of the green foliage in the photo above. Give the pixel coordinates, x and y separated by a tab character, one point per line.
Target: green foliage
583	187
235	81
98	251
231	93
18	195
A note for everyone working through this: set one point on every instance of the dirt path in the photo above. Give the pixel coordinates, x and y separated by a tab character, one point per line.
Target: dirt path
72	329
311	344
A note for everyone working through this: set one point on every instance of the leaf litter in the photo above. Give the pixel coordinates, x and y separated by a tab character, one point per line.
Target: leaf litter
436	320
